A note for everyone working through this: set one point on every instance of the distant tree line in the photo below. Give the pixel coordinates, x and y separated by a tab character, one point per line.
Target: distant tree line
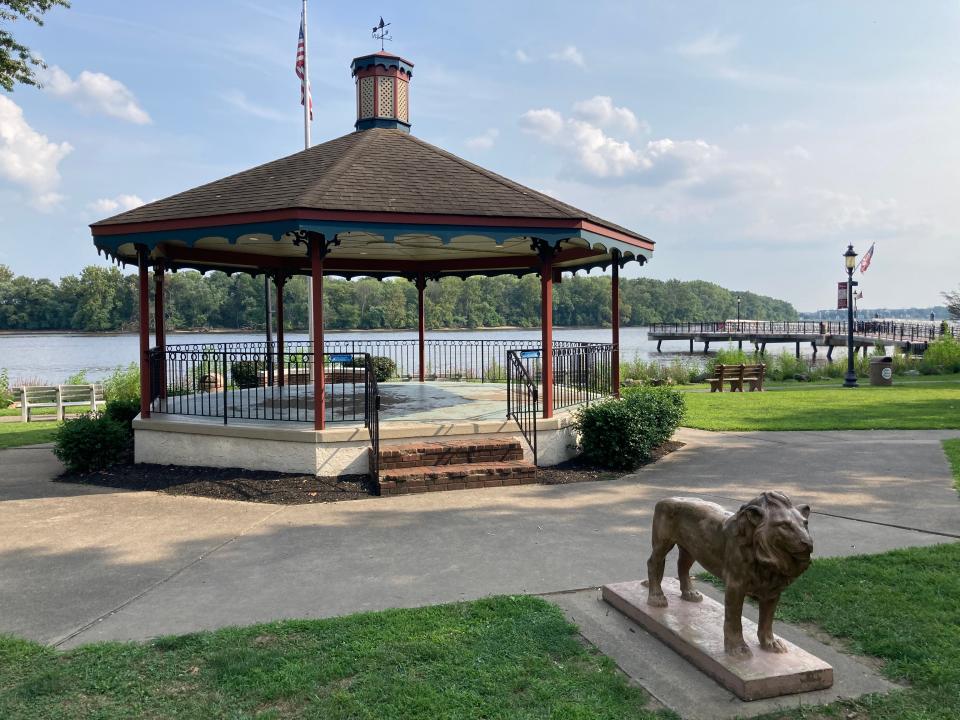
105	299
940	312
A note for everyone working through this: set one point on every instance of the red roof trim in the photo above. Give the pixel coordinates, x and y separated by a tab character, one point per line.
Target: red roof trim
351	216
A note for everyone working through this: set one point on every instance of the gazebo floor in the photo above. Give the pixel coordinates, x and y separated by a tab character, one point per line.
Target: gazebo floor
399	402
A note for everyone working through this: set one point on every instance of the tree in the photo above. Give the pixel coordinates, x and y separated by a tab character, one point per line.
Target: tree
16	61
953	304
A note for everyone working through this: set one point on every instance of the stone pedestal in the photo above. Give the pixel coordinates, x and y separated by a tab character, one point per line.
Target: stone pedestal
695	631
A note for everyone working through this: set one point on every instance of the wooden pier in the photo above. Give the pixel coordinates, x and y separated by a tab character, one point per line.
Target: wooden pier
911	337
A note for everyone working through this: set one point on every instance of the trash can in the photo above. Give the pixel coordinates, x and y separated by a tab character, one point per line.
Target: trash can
881	371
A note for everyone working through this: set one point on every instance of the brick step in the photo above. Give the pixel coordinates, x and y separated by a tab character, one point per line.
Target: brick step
449	452
400	481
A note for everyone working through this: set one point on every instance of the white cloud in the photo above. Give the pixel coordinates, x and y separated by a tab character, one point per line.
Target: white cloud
95	92
483	141
119	203
596	154
711	44
28	158
799	152
521	56
601	111
570	54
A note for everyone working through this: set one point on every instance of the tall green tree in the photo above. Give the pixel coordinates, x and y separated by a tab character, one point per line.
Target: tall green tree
17	63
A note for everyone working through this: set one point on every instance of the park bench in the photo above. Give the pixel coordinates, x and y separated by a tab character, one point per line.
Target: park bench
60	397
737	375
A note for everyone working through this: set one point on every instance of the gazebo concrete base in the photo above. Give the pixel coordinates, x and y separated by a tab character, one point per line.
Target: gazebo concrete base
340	450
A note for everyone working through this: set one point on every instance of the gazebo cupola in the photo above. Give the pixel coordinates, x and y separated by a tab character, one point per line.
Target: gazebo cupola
383	91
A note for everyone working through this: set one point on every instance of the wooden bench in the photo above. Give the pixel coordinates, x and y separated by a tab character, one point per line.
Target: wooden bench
737	375
60	397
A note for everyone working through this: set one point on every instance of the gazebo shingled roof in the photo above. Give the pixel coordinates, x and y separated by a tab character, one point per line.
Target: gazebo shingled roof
376	202
398	206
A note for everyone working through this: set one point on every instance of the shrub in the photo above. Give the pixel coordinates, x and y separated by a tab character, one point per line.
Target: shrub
729	356
6	394
123	412
78	378
621	434
91	442
246	373
383	368
678	372
123	384
941	356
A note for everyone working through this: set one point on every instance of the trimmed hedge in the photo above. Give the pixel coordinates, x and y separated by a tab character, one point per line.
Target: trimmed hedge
246	373
91	442
123	411
621	434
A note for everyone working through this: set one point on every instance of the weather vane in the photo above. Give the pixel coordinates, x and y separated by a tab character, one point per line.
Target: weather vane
381	33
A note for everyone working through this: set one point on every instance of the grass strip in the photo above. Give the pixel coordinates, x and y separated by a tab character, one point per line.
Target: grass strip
502	657
32	433
918	406
902	607
952	450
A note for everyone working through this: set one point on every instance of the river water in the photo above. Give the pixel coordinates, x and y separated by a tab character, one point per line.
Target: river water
51	358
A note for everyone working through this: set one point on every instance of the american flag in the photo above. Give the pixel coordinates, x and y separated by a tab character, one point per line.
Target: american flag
300	67
865	261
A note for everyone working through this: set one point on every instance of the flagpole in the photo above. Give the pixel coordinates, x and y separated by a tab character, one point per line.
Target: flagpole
306	146
306	83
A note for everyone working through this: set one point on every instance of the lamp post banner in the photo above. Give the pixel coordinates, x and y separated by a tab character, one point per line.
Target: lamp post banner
841	296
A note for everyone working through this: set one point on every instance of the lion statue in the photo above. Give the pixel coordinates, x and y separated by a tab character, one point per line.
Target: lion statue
757	552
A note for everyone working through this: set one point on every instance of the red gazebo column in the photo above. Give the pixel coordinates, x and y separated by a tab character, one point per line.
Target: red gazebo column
421	325
143	258
546	325
280	281
615	325
159	324
316	269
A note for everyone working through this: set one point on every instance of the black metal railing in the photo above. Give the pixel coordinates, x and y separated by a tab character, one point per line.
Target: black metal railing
891	330
582	372
523	404
256	381
461	360
372	421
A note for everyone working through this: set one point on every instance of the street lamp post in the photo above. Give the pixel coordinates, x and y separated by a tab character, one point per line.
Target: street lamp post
738	311
850	261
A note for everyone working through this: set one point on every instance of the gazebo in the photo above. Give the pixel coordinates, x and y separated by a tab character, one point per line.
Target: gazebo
377	202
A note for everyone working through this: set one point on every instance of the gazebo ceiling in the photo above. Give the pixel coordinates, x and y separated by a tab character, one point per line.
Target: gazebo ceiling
396	204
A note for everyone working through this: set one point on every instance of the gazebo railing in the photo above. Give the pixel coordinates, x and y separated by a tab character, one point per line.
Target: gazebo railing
251	381
258	381
523	402
461	359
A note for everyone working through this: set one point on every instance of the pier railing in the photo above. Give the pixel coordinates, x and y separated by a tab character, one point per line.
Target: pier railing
893	330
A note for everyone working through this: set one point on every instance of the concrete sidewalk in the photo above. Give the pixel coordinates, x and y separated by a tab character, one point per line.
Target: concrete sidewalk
84	564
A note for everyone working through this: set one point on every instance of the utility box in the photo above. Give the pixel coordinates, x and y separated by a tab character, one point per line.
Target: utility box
881	371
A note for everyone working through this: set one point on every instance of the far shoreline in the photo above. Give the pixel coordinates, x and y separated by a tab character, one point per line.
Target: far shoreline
228	331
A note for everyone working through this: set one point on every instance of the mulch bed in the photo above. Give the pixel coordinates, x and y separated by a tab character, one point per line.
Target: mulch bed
260	486
578	470
289	489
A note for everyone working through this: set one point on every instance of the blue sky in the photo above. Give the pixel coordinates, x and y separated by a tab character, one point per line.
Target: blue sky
751	140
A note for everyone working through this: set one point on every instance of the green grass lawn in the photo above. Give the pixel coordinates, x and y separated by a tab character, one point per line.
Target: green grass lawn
15	434
902	607
903	406
506	657
15	411
952	449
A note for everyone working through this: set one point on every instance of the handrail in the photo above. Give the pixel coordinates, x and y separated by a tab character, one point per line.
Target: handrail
372	416
522	396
